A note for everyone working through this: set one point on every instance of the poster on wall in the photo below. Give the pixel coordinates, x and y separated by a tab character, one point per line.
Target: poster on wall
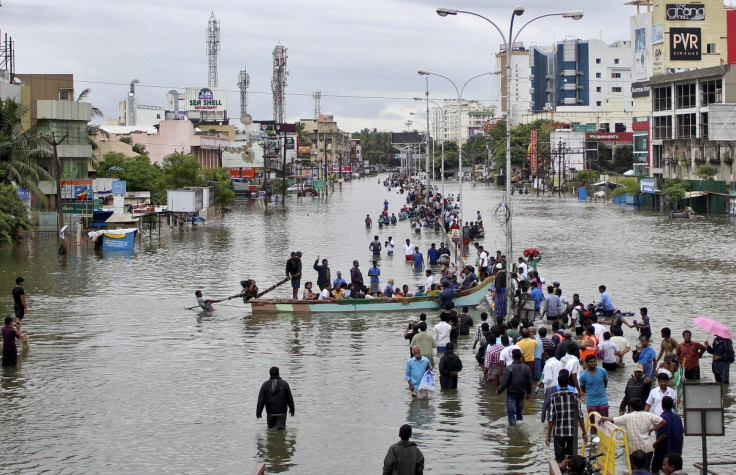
658	63
658	34
640	58
686	11
685	44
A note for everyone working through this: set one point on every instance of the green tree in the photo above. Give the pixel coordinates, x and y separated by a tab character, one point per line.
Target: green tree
219	178
520	140
706	172
376	145
180	170
138	172
627	186
21	150
675	189
623	159
13	215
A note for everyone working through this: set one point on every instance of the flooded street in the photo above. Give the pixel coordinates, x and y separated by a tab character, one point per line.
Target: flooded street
120	378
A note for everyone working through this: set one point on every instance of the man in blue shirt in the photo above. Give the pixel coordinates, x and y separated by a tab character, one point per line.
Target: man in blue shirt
605	302
647	355
594	381
373	273
418	259
446	295
433	254
389	290
538	297
339	281
415	369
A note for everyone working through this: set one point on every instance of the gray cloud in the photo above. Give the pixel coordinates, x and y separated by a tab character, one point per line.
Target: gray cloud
338	47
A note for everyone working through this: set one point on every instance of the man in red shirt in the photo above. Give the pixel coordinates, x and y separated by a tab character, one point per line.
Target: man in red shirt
688	355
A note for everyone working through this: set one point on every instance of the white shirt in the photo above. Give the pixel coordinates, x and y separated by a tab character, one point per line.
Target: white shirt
621	343
655	399
428	283
599	331
636	424
325	294
571	363
442	333
409	250
483	259
609	350
505	355
523	269
551	371
390	245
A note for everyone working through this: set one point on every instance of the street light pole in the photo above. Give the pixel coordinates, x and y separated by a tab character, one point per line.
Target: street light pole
509	42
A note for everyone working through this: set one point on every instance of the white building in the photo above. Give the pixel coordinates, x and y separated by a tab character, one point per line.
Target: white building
473	115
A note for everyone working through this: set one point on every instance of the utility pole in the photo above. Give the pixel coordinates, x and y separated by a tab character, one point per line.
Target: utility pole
57	165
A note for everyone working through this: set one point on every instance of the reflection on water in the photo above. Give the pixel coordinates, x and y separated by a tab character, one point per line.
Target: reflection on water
121	378
276	448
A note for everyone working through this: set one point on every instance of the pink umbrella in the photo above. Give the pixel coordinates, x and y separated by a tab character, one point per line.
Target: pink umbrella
712	326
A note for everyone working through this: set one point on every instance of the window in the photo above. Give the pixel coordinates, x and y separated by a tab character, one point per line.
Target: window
662	128
685	95
619	127
685	126
615	61
66	94
710	48
704	125
712	92
616	75
604	128
598	103
662	98
615	89
597	60
657	161
598	89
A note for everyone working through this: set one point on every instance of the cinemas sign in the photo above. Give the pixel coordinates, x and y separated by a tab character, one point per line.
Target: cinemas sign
685	11
685	44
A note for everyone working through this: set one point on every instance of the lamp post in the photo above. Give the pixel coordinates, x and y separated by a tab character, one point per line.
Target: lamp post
436	133
459	92
509	43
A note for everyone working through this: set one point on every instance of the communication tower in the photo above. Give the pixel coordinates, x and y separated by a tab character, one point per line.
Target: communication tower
213	47
317	98
278	83
243	85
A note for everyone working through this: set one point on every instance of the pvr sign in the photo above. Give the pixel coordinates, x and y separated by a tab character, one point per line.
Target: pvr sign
685	44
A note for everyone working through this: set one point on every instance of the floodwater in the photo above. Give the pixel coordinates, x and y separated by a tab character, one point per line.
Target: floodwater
121	378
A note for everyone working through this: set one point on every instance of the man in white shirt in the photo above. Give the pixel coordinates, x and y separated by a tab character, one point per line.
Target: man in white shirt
505	357
571	362
430	280
551	371
599	330
325	294
409	251
483	263
621	342
390	244
654	401
523	269
442	333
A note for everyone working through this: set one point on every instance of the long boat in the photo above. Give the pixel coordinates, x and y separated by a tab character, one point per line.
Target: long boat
471	297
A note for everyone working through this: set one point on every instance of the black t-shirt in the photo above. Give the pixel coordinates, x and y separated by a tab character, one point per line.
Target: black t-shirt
17	292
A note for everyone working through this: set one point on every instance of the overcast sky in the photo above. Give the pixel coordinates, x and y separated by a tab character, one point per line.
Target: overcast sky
363	55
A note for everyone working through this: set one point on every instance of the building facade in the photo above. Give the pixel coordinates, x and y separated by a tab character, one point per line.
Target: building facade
473	116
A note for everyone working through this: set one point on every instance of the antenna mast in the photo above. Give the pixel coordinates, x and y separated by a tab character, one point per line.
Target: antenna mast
243	85
278	83
213	47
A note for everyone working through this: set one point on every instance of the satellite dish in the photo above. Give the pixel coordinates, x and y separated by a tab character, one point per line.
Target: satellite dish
246	119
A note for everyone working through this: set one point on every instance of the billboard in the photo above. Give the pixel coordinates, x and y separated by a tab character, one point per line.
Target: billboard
658	63
685	11
206	99
640	55
685	44
610	137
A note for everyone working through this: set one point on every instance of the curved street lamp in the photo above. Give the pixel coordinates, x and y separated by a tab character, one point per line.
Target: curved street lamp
509	42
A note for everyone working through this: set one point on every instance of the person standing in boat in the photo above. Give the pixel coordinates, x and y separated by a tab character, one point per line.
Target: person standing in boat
293	271
323	273
356	276
374	273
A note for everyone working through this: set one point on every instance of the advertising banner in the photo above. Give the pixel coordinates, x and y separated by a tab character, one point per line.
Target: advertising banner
609	137
640	54
685	44
647	185
206	99
658	63
119	187
304	149
658	34
685	11
533	152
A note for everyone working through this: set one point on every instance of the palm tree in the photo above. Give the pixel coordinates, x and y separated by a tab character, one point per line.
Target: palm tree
20	150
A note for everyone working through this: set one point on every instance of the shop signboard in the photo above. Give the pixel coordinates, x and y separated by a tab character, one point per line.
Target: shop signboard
685	11
647	185
206	99
685	44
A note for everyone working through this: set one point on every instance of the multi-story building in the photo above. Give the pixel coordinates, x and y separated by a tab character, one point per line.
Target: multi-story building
582	81
473	115
329	144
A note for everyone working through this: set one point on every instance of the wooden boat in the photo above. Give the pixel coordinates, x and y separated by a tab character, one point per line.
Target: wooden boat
471	298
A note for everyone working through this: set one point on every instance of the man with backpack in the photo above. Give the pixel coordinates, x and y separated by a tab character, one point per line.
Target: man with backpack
723	356
275	396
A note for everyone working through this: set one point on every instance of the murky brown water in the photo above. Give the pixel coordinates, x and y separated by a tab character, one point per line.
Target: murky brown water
120	378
